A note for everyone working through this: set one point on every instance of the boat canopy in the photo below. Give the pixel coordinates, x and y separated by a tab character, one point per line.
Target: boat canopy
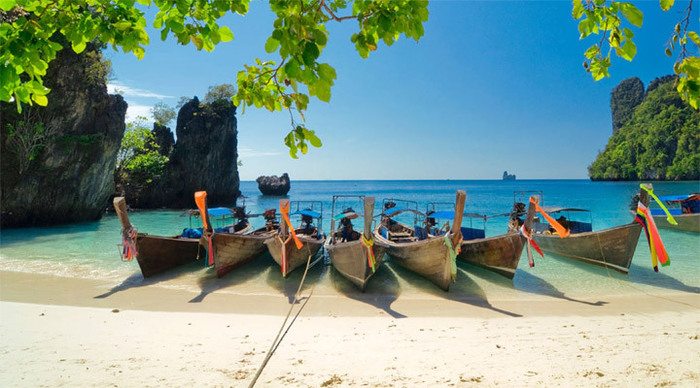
308	213
220	212
675	198
557	209
350	215
660	212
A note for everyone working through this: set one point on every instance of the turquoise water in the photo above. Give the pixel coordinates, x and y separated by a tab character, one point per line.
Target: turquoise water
89	250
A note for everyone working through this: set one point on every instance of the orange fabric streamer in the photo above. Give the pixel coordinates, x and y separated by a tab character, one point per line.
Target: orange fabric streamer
561	230
200	198
284	210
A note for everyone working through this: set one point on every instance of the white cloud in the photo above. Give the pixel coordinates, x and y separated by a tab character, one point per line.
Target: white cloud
136	110
246	152
128	91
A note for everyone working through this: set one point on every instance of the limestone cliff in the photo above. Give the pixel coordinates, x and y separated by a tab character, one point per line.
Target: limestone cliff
57	162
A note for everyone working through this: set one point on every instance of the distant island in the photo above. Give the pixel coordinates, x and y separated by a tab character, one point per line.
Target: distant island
655	135
508	177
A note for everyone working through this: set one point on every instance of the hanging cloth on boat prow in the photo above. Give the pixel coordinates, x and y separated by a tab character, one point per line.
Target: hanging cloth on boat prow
284	210
530	243
561	230
129	233
200	198
650	191
656	246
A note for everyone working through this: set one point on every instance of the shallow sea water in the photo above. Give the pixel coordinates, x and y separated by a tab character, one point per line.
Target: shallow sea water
89	250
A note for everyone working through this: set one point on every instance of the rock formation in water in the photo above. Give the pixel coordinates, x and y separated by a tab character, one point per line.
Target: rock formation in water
659	141
274	185
203	158
623	99
57	162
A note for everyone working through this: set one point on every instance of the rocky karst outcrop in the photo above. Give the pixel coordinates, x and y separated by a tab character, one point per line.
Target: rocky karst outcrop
57	162
203	158
274	185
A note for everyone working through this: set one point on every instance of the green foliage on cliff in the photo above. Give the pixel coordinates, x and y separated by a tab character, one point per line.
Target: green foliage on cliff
139	161
624	98
661	141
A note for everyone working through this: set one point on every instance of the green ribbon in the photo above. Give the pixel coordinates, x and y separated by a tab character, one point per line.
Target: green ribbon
669	217
453	255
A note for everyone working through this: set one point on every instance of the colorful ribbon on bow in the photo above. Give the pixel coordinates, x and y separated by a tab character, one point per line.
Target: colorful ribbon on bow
530	242
129	252
656	246
650	191
200	198
284	210
283	253
371	260
453	252
561	230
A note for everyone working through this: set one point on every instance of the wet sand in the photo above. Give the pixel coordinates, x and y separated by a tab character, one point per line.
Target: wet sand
76	332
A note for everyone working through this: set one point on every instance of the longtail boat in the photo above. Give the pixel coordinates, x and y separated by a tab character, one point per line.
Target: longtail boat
241	245
685	210
293	247
354	254
432	257
612	247
500	254
155	254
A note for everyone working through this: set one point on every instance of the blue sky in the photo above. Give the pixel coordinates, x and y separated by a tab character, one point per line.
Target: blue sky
491	86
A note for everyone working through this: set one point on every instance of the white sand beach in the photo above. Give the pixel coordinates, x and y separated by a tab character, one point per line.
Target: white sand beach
55	333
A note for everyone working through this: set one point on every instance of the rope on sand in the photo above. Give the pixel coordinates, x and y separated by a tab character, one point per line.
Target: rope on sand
281	333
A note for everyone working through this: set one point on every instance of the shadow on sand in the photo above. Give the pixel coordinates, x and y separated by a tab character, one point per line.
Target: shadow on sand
209	282
381	291
463	290
525	281
136	280
289	285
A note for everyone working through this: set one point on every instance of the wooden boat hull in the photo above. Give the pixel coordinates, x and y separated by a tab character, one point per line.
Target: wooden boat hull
686	222
157	254
350	259
295	257
499	254
429	258
612	248
233	250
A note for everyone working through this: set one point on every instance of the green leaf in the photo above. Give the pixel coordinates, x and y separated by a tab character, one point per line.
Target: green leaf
326	72
78	47
628	50
632	13
666	4
7	5
122	25
578	9
40	100
310	53
225	34
271	45
694	37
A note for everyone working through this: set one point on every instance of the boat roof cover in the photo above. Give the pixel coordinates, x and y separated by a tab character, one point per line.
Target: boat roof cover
350	215
308	212
557	209
220	211
674	198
